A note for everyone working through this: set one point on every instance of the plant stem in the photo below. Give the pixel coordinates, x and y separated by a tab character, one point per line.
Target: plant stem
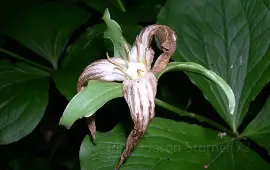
120	3
192	115
24	59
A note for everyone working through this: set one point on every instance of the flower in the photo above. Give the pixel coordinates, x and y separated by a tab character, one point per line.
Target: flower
138	75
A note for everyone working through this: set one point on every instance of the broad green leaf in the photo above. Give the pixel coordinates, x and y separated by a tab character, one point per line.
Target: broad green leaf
114	33
259	128
45	27
88	48
89	100
230	38
198	69
24	98
169	145
37	163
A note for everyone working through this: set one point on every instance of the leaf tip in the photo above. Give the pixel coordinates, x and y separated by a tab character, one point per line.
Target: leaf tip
106	14
64	123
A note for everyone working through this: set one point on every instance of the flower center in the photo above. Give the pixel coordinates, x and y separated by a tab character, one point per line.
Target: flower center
136	70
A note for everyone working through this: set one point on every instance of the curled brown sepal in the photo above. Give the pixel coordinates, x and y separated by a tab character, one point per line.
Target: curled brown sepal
139	94
167	39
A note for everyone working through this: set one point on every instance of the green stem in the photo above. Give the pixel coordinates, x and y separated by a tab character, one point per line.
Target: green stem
192	115
120	3
24	59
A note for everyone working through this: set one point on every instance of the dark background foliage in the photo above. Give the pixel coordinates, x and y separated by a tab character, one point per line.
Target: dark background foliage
50	146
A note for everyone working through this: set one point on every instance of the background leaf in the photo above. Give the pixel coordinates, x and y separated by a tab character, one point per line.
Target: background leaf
259	128
88	48
169	145
45	27
89	100
131	15
230	38
24	98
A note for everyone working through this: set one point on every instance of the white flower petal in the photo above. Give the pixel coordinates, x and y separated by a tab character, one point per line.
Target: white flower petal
102	70
140	53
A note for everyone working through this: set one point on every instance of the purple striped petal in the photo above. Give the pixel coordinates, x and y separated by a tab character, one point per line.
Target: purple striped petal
140	95
102	70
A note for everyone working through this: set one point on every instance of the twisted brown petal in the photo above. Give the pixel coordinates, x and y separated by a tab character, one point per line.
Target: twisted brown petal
140	95
99	70
167	38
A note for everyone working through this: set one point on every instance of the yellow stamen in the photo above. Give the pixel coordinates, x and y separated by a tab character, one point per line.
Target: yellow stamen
122	71
138	49
139	72
145	61
126	49
114	62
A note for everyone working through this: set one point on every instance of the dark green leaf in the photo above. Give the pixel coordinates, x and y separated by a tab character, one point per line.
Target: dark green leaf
230	38
169	145
45	27
88	48
24	98
135	11
9	7
89	100
259	128
37	163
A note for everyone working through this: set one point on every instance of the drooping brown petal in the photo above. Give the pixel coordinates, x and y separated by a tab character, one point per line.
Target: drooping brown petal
167	38
91	124
100	70
140	95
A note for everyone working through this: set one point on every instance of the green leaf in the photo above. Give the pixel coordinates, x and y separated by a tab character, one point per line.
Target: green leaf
198	69
24	98
37	163
169	145
45	27
259	128
89	100
114	33
230	38
88	48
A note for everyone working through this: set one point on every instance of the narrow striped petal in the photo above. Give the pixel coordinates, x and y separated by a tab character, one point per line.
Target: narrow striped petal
102	70
140	95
